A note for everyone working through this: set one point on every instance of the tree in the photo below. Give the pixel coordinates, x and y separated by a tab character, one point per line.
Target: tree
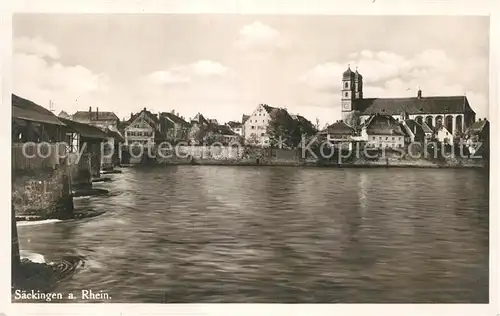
281	128
353	120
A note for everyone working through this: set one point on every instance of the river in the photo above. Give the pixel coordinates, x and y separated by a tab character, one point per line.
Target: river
279	234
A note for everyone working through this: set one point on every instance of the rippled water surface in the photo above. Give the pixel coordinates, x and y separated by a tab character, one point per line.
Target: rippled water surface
272	234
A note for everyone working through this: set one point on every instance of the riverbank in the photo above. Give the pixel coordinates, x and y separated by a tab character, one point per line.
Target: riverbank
317	164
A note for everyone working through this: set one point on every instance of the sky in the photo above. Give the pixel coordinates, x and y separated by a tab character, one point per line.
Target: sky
223	66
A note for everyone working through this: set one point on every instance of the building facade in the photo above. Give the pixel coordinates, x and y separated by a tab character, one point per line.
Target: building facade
142	128
454	112
383	131
236	127
255	125
174	127
103	120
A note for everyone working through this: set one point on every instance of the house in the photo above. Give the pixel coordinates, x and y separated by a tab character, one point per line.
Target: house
255	125
223	134
199	130
383	131
174	127
213	121
443	135
429	133
413	131
103	119
478	136
143	128
236	127
86	139
340	135
65	115
454	111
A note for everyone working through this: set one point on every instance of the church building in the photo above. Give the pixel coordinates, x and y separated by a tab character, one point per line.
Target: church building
452	112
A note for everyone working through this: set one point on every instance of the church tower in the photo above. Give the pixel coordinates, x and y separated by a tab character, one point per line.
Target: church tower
348	92
352	89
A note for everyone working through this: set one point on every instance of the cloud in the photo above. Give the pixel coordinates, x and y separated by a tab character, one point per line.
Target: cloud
187	73
36	46
40	80
259	37
386	74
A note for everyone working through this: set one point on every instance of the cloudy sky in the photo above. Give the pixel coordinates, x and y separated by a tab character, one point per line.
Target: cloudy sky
225	65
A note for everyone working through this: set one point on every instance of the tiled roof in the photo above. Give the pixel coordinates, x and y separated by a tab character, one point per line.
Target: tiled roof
414	127
233	124
379	124
115	135
426	128
340	128
84	130
154	117
478	127
200	119
95	116
268	108
244	118
27	110
223	130
424	105
174	118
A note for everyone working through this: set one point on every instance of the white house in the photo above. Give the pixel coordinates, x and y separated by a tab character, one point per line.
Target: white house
141	128
255	125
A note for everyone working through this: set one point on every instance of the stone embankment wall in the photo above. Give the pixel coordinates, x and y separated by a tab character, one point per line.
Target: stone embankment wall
206	155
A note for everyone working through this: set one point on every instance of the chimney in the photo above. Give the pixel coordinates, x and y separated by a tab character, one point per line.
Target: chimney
97	113
419	94
144	109
479	119
90	109
172	112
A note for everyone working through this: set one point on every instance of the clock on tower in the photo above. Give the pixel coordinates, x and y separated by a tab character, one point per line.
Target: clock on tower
346	105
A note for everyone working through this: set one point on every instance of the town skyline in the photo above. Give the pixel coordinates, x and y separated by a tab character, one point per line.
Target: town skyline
230	64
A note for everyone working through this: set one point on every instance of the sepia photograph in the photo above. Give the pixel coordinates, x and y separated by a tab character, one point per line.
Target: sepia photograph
250	158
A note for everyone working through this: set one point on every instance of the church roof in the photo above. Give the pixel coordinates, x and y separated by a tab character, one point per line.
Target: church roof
348	73
415	105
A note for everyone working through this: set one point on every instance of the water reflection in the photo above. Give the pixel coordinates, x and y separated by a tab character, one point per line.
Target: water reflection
243	234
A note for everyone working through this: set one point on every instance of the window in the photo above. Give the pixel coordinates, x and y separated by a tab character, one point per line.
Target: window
373	137
386	138
399	138
400	145
346	94
253	127
346	86
393	138
262	134
263	121
380	138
